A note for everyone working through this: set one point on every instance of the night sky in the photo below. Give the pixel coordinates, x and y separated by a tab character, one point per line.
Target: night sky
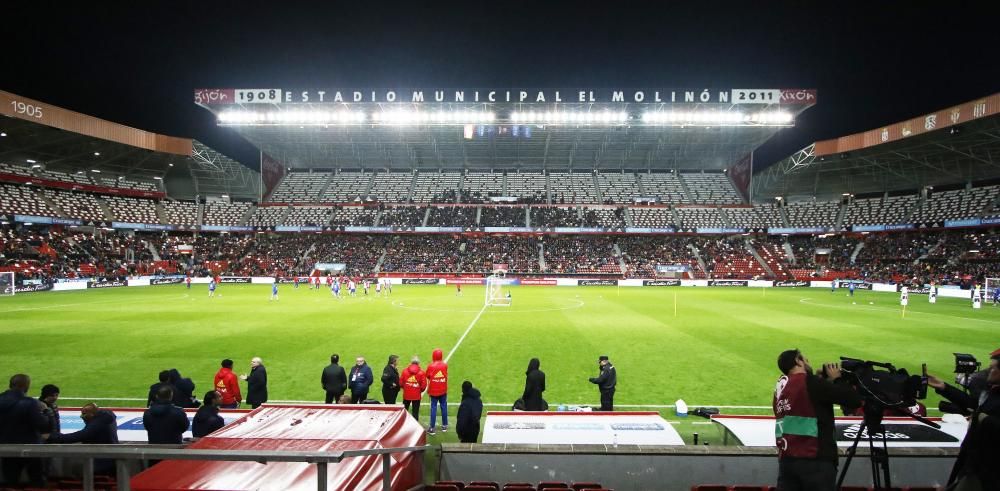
872	65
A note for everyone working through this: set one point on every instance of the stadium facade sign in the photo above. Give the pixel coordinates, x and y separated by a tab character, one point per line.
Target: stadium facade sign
719	230
799	230
217	97
235	279
142	226
422	281
790	284
863	285
728	282
537	282
46	220
650	230
661	282
225	228
44	287
474	281
106	284
597	282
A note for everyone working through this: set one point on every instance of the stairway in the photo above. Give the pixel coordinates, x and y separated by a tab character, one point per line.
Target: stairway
627	215
684	186
161	214
52	204
725	217
106	209
789	252
427	216
248	215
152	250
676	217
841	213
541	256
756	255
378	264
621	260
697	255
857	250
201	214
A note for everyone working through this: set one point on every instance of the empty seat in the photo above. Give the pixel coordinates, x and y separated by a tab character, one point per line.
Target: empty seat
585	485
442	487
552	485
490	484
460	484
709	487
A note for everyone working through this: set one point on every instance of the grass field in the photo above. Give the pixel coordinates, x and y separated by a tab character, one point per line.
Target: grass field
719	349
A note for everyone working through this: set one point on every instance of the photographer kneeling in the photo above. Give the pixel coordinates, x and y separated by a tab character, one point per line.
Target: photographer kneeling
976	467
804	425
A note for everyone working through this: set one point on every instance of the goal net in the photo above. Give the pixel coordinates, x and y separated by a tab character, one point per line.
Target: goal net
495	296
6	283
991	285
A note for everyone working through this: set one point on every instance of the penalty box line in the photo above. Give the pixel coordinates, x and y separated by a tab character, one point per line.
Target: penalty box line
464	334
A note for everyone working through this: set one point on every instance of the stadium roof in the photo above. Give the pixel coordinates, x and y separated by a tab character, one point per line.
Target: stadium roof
57	139
956	145
508	129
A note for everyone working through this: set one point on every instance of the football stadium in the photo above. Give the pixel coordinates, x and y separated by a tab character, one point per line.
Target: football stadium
588	285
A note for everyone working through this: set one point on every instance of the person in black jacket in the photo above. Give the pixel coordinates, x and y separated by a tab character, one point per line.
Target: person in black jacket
534	385
183	390
469	414
976	464
334	380
207	419
21	422
100	427
49	396
165	422
606	383
153	389
256	383
361	380
390	380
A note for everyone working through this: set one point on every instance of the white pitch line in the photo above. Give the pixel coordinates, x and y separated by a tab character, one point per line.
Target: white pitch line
464	334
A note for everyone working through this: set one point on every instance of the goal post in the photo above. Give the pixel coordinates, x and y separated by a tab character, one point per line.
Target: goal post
6	283
991	285
495	295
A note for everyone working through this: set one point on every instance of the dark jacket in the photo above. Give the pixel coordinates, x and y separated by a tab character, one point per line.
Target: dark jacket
165	423
206	420
469	414
257	386
52	414
979	453
153	389
608	378
21	418
361	378
534	385
102	428
183	389
390	378
824	395
334	379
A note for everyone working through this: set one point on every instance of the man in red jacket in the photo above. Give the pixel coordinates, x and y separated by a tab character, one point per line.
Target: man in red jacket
414	382
437	388
228	386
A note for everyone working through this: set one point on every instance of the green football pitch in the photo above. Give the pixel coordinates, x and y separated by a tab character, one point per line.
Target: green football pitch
707	346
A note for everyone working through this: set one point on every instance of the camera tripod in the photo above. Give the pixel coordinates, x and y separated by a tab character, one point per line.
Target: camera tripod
878	456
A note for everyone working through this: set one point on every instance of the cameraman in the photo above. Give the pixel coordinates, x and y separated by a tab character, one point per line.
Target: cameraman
977	460
804	426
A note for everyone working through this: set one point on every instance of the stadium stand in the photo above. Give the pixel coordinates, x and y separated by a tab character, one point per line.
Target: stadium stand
436	187
22	200
729	258
229	214
347	187
354	216
120	182
700	218
603	217
955	204
403	216
309	216
574	255
360	253
78	205
479	254
528	187
755	217
478	187
652	217
572	187
300	187
554	216
452	216
812	214
878	211
503	216
643	254
711	188
618	188
391	187
181	212
132	210
268	216
421	254
665	186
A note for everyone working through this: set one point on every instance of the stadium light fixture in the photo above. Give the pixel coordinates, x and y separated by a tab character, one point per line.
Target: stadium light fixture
3	133
97	154
36	166
95	171
30	161
158	178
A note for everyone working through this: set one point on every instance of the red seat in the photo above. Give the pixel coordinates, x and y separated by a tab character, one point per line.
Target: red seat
518	486
491	484
709	487
442	487
743	487
922	488
552	485
459	484
473	487
577	486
